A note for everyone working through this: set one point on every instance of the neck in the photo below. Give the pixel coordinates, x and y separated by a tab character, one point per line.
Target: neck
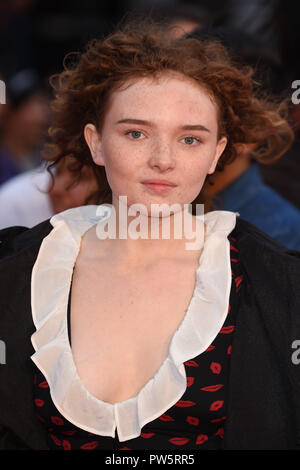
146	236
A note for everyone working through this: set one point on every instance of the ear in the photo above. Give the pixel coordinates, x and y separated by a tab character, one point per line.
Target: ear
220	147
93	140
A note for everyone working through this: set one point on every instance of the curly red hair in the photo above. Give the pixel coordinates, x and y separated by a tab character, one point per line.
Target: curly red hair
83	89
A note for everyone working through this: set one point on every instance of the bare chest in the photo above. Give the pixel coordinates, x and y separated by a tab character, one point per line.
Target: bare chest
122	324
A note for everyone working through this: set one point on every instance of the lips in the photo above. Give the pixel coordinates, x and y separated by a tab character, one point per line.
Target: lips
159	186
159	182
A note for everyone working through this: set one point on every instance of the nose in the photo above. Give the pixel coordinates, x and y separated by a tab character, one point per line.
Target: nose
162	156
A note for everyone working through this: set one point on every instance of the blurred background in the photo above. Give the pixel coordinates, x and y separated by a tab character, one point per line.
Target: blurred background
35	35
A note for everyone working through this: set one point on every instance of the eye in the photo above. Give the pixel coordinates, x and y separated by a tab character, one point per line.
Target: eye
190	140
134	134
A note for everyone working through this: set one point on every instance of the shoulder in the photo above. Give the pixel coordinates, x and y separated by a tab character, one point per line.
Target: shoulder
271	272
269	311
17	240
264	258
19	248
253	240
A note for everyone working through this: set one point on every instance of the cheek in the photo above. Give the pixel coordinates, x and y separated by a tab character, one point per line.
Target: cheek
121	162
195	175
197	169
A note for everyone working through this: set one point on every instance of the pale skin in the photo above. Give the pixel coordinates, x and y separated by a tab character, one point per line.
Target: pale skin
160	151
134	293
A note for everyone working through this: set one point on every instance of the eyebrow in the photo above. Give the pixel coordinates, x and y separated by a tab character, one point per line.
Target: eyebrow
187	127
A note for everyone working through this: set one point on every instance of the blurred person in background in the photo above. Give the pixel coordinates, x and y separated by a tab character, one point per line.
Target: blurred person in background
182	18
17	44
29	198
284	175
23	125
276	29
240	186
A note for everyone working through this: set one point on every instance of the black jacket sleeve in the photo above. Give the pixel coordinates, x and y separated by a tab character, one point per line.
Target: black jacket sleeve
19	426
264	385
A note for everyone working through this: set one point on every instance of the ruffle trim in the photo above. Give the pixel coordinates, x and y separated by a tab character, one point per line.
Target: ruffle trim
50	287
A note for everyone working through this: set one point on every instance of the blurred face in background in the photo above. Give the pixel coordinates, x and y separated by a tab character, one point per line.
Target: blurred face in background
66	195
29	120
182	27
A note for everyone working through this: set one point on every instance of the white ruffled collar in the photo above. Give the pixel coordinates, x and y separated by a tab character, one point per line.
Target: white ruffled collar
50	288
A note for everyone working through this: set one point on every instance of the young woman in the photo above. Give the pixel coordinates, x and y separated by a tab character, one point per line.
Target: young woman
131	342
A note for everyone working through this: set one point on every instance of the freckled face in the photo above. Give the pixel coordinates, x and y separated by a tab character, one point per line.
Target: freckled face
163	129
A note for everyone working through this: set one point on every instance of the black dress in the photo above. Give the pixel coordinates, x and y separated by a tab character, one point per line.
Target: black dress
262	392
196	421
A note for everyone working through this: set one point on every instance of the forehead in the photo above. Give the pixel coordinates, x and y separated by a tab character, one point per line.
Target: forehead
163	97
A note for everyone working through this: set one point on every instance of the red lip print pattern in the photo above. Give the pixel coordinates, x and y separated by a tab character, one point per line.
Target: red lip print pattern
216	405
201	438
66	445
179	441
69	433
217	420
39	402
57	420
195	421
166	418
185	403
227	329
192	420
212	388
238	281
55	440
191	363
89	445
220	432
215	367
190	381
44	384
147	435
